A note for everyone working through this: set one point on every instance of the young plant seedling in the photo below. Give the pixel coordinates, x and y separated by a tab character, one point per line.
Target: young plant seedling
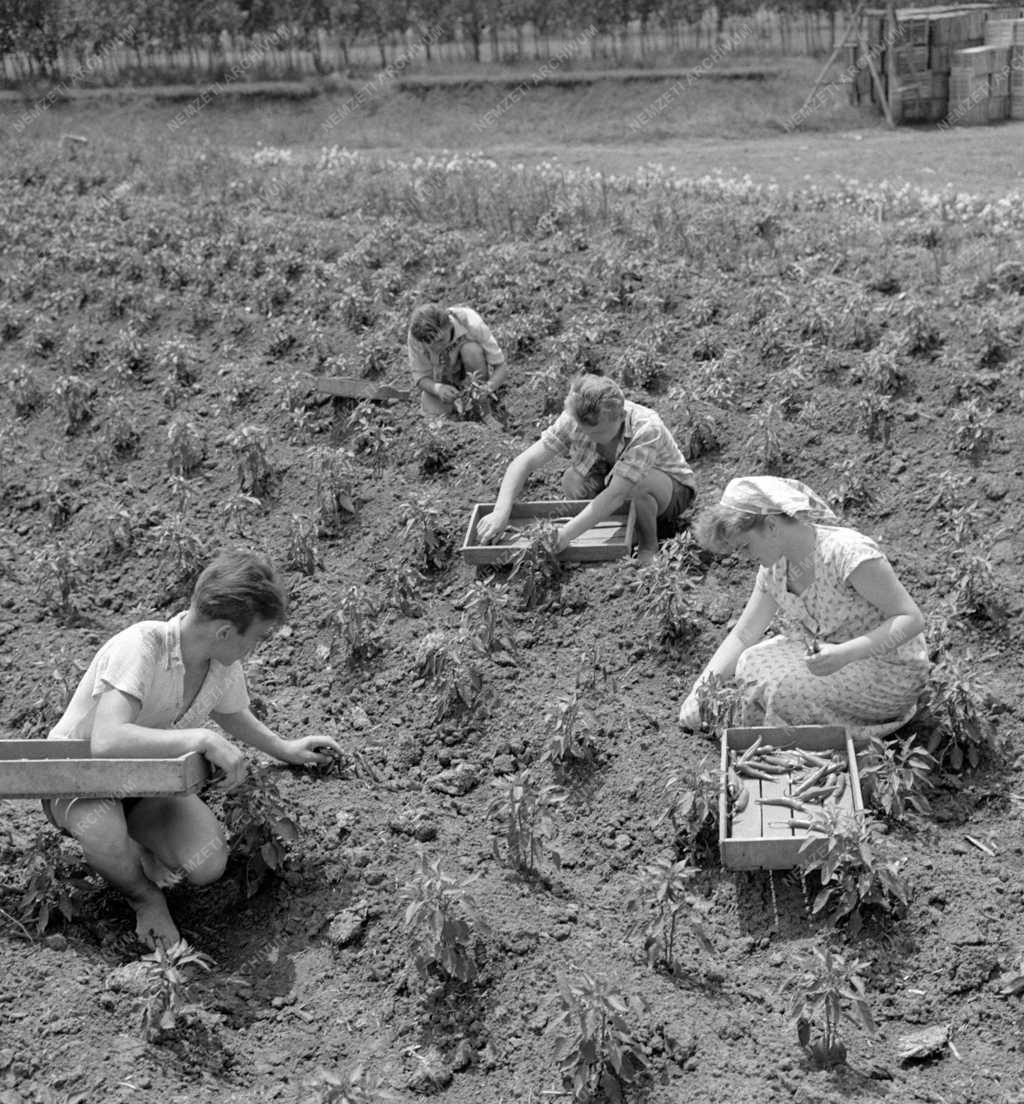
443	923
828	990
839	850
165	1003
521	810
895	776
598	1046
659	903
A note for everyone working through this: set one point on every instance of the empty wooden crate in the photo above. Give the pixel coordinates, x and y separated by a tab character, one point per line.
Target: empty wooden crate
65	768
763	836
608	540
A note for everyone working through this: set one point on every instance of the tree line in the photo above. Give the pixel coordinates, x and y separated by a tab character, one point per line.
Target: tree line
107	41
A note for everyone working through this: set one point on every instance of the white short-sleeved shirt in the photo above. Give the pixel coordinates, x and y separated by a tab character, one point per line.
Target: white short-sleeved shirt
145	661
441	365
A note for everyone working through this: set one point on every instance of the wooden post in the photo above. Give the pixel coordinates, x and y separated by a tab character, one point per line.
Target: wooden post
853	24
890	54
883	99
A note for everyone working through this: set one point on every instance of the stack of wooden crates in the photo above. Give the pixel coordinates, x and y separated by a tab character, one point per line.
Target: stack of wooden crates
957	65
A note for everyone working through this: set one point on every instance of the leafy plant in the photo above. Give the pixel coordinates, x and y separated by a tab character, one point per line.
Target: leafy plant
371	436
403	590
73	398
25	390
426	546
120	532
355	1087
828	990
442	922
974	589
658	902
250	446
720	704
483	609
433	454
128	355
335	494
895	775
177	362
450	662
597	1047
165	1003
965	734
766	439
876	417
474	402
882	373
838	849
303	552
522	811
119	433
261	825
57	573
179	547
50	889
537	569
693	812
186	447
662	591
852	487
355	623
972	430
238	510
570	730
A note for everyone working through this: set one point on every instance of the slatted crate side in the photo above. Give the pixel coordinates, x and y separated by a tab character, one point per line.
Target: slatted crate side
60	776
44	749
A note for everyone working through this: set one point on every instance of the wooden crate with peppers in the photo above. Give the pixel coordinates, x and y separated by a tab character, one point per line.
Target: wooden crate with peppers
773	782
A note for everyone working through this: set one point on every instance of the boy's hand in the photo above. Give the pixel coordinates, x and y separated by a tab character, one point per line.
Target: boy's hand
311	751
492	526
224	756
445	392
562	542
689	713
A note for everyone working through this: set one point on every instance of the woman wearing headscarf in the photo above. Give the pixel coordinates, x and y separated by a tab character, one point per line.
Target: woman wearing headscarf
849	650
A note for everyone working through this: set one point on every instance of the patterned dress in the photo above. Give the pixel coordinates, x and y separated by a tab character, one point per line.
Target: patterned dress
872	696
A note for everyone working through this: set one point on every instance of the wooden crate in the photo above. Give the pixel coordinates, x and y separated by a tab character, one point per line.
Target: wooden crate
759	838
66	768
610	539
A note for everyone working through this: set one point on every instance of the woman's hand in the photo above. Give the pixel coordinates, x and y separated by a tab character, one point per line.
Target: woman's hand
310	751
828	659
689	713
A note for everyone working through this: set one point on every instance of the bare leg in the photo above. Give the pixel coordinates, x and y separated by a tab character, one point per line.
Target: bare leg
183	834
652	496
646	528
100	828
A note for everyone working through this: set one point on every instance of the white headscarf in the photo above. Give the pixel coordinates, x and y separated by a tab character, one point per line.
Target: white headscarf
771	494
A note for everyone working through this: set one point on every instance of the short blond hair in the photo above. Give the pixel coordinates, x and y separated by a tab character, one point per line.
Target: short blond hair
592	397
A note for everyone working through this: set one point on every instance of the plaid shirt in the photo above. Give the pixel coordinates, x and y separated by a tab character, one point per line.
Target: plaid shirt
645	444
442	364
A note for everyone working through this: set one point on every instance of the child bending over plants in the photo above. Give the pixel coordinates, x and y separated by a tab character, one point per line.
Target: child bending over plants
618	451
453	358
147	694
849	650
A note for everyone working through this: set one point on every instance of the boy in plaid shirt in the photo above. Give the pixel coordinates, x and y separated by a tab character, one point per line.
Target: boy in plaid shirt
618	451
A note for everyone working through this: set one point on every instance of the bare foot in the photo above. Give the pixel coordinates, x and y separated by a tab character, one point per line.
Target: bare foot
153	922
161	875
645	556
